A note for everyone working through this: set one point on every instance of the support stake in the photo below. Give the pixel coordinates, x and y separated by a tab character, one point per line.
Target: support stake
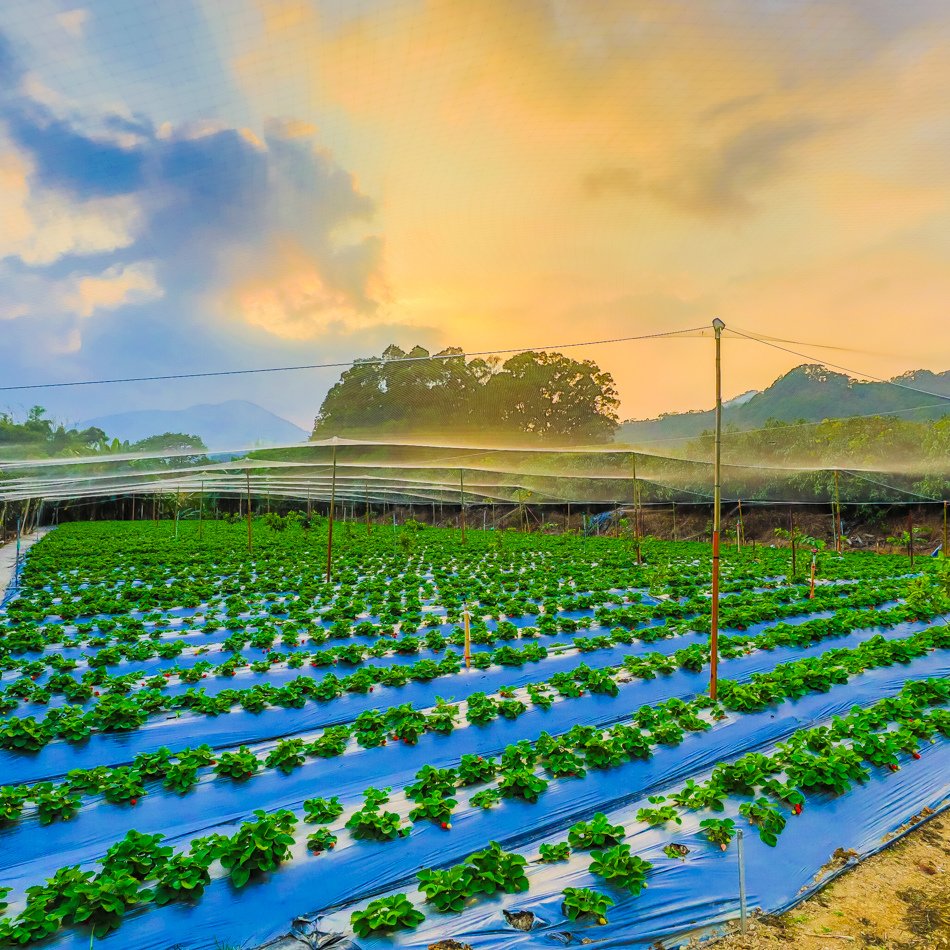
330	522
740	848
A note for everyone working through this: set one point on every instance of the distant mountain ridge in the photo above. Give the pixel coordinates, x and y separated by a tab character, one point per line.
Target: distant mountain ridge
225	425
810	393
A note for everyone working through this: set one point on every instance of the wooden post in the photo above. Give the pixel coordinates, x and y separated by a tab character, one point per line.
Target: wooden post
910	537
468	637
811	589
250	530
462	501
740	529
330	523
674	521
201	508
718	326
366	505
791	531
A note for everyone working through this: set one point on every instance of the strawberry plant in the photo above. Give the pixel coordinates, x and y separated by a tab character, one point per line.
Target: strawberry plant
53	803
448	889
621	868
596	833
434	808
386	915
321	811
486	798
766	817
521	783
551	853
257	846
719	831
660	815
497	870
286	756
474	769
123	785
320	840
183	877
238	766
137	854
583	902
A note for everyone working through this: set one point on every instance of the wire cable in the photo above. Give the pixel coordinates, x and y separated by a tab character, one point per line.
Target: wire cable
856	372
350	363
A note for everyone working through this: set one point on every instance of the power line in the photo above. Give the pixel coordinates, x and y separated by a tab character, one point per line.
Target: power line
349	363
856	372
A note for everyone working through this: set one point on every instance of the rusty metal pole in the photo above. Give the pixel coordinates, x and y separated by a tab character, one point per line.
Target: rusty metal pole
718	326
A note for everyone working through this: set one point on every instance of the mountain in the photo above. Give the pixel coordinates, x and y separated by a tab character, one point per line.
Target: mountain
223	425
808	393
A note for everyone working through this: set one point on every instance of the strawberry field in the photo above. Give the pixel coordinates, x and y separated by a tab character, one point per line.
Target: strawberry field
204	747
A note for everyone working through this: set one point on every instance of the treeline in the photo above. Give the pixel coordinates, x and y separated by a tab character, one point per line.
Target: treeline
39	436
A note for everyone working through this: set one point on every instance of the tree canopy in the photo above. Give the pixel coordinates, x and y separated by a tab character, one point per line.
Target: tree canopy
532	396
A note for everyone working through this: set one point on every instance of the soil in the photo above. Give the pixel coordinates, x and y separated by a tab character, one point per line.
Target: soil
897	900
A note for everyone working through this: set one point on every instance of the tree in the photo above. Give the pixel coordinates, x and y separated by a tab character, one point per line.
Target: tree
192	449
544	397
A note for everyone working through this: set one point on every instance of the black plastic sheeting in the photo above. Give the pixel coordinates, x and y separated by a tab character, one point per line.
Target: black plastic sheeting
699	892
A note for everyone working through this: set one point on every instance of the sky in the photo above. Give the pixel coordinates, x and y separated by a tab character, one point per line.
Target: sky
199	185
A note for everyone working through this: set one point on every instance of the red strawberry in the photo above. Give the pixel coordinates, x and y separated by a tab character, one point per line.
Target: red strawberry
132	801
893	768
796	809
446	826
916	755
316	850
722	847
95	692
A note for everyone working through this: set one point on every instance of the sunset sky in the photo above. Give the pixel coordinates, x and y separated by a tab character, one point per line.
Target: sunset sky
210	184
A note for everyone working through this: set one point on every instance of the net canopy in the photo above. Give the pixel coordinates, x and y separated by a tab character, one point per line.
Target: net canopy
403	471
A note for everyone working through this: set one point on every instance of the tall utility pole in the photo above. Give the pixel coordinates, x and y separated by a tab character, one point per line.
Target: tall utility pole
462	501
330	524
718	326
250	530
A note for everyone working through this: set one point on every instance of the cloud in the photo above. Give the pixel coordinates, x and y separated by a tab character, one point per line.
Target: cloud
265	228
720	181
115	287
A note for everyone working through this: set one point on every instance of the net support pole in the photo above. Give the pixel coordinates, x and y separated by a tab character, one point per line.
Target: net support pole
944	548
250	528
201	509
366	505
791	531
910	537
636	510
837	515
740	536
740	850
466	621
674	520
462	502
330	521
718	326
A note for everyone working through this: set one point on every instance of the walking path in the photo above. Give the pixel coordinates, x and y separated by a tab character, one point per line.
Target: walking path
8	557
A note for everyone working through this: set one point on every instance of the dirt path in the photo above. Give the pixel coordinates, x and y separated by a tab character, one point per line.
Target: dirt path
897	900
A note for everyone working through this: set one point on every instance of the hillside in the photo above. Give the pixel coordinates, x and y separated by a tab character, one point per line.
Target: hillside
224	425
809	393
